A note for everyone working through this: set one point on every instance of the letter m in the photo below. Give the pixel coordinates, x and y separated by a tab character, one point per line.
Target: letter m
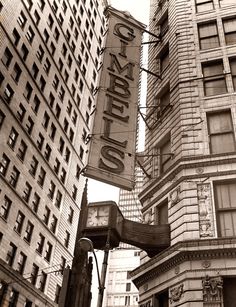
128	67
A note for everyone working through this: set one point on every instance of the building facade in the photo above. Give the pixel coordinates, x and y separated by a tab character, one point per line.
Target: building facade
190	154
50	57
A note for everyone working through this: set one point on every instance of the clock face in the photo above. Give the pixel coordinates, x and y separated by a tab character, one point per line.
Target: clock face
98	216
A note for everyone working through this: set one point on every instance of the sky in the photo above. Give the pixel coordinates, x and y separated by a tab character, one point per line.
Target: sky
98	191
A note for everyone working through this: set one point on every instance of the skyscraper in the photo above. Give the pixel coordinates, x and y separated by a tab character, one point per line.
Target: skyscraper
50	57
190	154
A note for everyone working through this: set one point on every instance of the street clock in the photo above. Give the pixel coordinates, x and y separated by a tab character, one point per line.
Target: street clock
103	218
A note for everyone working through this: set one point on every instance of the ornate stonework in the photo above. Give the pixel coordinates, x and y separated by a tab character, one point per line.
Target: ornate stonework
212	289
174	196
205	210
176	293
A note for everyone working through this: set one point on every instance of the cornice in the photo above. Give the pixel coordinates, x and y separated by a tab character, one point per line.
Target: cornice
186	164
182	252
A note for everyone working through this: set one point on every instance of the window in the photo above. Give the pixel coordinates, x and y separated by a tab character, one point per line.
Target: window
13	298
41	177
24	52
34	70
16	36
28	303
4	164
71	135
48	252
2	117
164	102
68	35
52	48
8	93
28	91
164	59
81	152
36	17
57	294
40	244
55	82
57	166
74	192
14	176
30	35
22	150
29	125
56	34
19	222
63	264
57	111
61	93
50	21
40	53
78	170
61	145
35	104
164	25
28	4
21	112
53	224
12	138
220	130
161	213
41	4
46	215
67	155
47	152
16	72
204	5
1	78
60	19
21	263
230	30
11	254
22	20
47	66
58	199
63	175
34	274
213	78
225	208
28	232
42	83
35	202
42	282
65	125
5	208
165	155
232	63
128	287
70	215
64	7
229	294
54	6
27	191
127	300
40	141
52	188
208	35
45	121
33	166
67	239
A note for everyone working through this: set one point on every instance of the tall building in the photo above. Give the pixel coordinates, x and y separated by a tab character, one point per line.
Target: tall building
120	290
190	154
50	57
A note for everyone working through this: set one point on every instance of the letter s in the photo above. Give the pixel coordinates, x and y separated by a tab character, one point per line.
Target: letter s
106	153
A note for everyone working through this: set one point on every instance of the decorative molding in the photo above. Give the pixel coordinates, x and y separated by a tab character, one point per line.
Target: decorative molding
156	266
212	289
206	264
177	270
176	293
174	196
205	210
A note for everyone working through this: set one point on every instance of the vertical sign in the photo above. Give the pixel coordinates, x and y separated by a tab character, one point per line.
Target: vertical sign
112	147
